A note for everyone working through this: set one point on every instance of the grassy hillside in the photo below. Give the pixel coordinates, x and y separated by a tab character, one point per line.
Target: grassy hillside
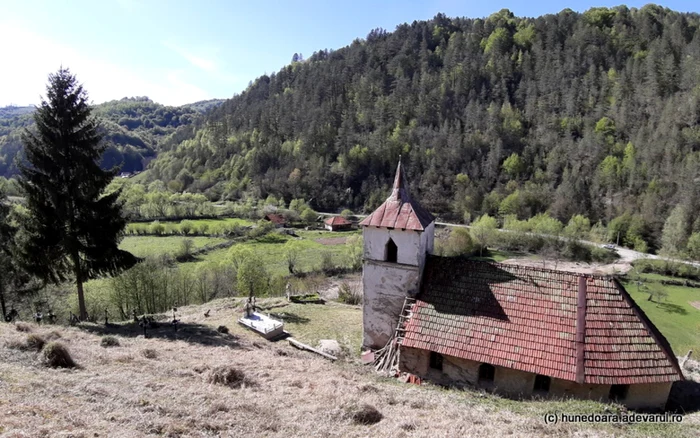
161	386
675	315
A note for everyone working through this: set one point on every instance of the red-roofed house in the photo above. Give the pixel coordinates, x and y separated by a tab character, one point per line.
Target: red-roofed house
276	219
337	223
517	330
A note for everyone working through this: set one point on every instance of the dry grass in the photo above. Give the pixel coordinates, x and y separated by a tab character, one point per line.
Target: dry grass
160	387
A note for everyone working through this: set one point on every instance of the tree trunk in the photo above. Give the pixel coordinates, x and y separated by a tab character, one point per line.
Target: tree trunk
79	283
2	302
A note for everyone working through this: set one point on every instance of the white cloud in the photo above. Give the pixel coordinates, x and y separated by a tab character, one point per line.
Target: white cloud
29	58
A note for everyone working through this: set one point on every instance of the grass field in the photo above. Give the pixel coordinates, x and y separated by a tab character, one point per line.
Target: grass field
144	246
271	249
674	316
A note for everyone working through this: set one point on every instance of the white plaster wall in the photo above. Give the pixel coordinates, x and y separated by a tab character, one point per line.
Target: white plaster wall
648	395
385	286
412	245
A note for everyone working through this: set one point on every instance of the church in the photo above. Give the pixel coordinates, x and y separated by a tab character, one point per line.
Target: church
519	331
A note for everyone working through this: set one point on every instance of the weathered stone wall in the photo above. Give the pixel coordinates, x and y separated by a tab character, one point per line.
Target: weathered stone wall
385	287
462	372
648	395
411	245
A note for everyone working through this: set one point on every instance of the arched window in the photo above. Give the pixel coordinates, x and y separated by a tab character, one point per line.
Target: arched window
391	252
486	373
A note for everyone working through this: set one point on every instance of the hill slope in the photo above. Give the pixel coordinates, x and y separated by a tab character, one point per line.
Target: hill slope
134	130
595	113
161	386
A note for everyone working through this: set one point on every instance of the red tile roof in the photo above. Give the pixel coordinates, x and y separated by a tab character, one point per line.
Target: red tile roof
276	218
337	220
399	210
526	318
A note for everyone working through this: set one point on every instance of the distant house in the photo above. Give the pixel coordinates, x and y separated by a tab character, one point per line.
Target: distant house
517	330
276	219
337	223
125	175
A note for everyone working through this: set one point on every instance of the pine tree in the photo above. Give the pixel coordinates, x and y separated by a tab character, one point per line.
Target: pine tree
74	228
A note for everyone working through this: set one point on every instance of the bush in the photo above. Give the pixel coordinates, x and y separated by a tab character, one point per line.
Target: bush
35	342
222	329
186	227
367	415
23	327
149	353
347	214
602	255
157	228
348	294
109	341
227	375
185	250
56	355
327	263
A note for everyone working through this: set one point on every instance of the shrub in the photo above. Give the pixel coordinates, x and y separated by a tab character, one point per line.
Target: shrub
35	342
109	341
186	227
222	329
348	294
227	375
149	353
367	415
185	250
157	228
202	228
308	215
327	264
347	214
23	327
56	355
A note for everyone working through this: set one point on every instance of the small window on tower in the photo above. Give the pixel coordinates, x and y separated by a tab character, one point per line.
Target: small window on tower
392	252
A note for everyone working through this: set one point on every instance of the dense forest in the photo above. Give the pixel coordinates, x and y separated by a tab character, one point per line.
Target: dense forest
593	113
132	127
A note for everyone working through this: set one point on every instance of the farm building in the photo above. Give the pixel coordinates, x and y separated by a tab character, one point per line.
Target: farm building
276	219
337	223
516	330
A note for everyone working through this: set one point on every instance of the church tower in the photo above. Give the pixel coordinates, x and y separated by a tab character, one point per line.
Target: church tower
397	237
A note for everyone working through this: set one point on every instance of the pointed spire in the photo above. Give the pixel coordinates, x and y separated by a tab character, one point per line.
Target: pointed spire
399	210
400	191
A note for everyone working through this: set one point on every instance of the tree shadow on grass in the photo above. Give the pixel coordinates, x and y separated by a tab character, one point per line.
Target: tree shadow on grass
292	318
684	397
672	308
188	332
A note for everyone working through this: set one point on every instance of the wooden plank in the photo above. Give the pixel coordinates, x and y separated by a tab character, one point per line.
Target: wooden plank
303	346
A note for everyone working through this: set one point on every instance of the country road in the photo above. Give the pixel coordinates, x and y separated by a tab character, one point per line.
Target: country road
627	256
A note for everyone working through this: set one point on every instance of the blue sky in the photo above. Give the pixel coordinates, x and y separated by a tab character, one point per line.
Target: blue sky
178	52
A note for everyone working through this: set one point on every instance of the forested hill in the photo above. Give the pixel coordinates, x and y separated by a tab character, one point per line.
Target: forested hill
594	113
134	129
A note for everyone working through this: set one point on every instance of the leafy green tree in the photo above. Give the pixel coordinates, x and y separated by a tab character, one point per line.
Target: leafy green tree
308	215
694	246
674	237
484	230
354	248
578	227
73	228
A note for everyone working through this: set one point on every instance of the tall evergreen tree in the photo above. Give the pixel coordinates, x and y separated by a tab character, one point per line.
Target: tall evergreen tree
74	228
